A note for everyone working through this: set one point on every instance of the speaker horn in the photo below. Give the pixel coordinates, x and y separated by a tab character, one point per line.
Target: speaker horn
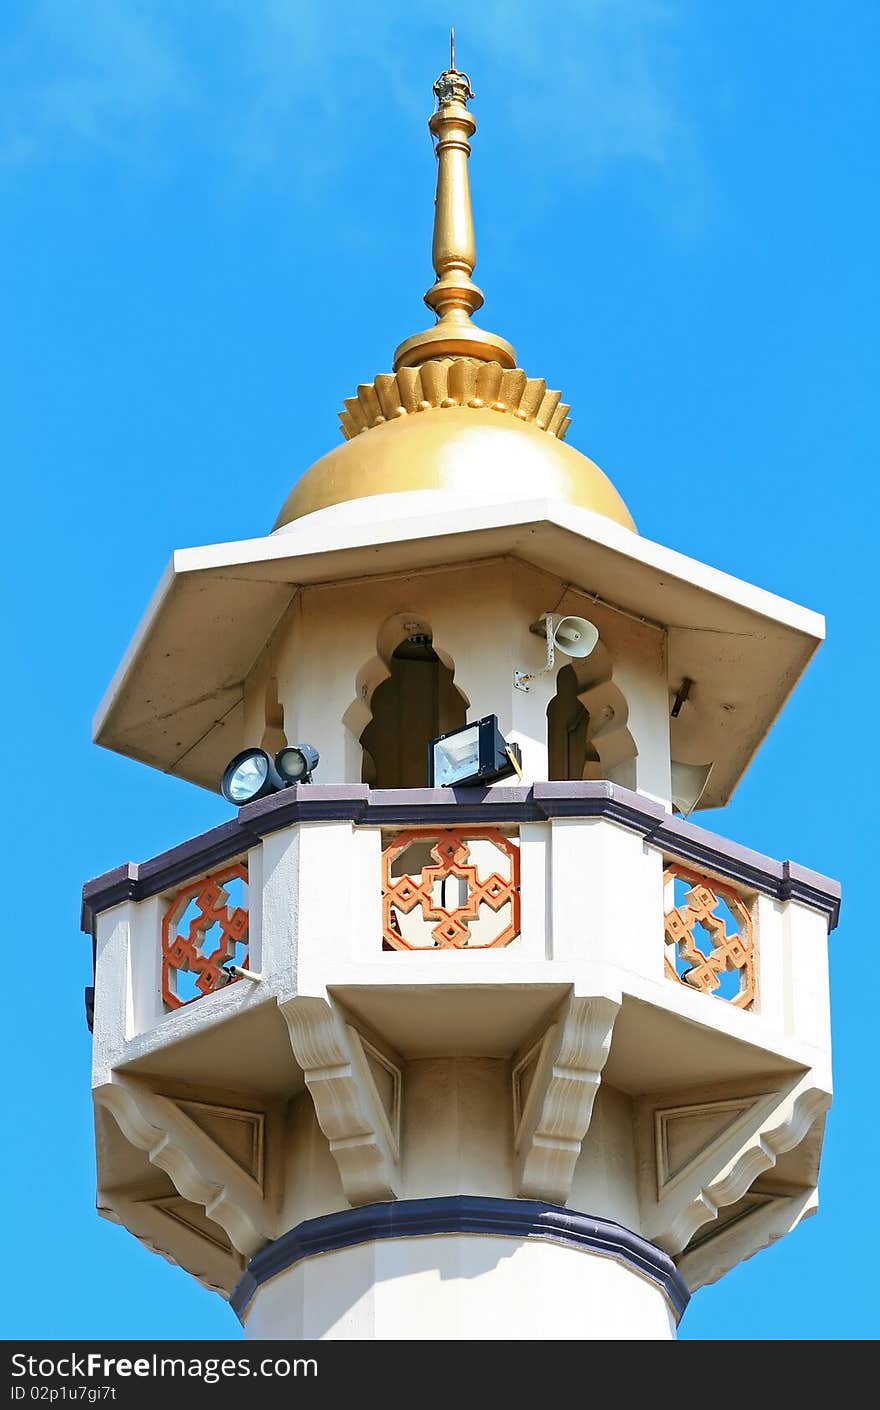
689	783
572	636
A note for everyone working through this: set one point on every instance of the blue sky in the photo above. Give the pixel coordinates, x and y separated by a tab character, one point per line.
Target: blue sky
216	223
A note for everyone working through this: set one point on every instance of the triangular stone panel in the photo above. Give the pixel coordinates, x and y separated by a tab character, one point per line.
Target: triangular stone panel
387	1080
685	1133
237	1131
192	1217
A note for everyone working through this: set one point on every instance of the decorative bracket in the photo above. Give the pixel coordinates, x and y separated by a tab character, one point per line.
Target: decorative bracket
772	1216
554	1088
201	1170
702	1151
348	1106
160	1222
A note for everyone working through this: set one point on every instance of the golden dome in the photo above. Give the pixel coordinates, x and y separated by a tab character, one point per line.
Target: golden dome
456	413
461	448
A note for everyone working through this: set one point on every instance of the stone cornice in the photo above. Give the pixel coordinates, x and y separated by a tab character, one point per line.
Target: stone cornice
445	807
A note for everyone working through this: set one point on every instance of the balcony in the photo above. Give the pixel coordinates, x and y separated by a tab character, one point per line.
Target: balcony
454	924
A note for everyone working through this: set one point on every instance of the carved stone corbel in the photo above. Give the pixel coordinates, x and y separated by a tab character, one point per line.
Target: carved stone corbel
776	1215
564	1072
348	1106
161	1225
200	1169
701	1151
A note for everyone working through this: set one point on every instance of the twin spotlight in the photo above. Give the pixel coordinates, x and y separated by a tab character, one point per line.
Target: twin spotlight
253	773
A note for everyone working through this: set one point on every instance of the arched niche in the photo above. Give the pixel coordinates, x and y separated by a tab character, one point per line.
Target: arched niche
406	696
273	737
568	726
587	732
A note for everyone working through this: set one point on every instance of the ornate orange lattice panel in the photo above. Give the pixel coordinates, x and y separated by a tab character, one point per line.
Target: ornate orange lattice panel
210	934
447	927
723	951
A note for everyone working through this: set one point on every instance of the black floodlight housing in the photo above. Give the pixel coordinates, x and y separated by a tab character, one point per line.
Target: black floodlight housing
474	754
250	775
297	763
253	774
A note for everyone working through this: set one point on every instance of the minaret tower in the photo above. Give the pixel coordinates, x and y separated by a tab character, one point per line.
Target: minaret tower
465	1030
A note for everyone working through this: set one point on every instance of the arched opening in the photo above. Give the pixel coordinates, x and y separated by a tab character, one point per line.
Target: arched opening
274	737
588	735
416	702
568	728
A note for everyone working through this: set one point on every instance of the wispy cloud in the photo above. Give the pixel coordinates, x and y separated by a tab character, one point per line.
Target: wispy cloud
85	74
607	65
241	78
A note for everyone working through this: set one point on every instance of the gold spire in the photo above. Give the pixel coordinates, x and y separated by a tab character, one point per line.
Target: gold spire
454	296
456	413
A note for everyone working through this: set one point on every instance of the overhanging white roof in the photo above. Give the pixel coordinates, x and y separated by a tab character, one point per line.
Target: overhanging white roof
176	699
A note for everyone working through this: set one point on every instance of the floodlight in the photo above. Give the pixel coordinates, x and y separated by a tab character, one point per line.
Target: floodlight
475	753
297	763
250	775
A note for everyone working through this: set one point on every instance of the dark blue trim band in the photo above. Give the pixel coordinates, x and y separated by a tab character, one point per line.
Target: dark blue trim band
451	807
462	1214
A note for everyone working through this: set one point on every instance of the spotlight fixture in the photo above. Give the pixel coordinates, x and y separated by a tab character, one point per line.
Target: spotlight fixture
252	774
297	763
475	753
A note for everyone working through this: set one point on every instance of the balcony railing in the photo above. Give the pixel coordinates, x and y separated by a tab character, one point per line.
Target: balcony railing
456	888
203	932
517	873
709	936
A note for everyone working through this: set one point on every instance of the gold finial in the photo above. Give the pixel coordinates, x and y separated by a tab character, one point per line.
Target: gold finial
453	296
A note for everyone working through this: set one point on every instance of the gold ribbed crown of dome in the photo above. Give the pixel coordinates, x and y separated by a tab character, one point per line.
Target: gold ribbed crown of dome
456	413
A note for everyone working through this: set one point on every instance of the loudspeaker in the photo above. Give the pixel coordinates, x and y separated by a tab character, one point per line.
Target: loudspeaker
573	636
688	785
